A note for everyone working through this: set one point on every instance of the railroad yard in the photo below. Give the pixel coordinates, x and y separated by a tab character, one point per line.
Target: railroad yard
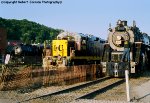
83	92
79	51
78	68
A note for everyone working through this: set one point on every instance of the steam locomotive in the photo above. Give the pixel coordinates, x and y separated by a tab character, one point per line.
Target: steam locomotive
75	49
25	53
114	50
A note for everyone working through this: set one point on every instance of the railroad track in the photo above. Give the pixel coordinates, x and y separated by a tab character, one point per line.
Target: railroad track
100	89
84	91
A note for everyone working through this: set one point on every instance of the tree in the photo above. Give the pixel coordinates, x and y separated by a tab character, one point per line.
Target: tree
28	31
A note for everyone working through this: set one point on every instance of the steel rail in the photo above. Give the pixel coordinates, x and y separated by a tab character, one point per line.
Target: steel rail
73	88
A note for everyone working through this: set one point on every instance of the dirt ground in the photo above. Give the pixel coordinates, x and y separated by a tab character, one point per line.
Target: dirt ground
140	92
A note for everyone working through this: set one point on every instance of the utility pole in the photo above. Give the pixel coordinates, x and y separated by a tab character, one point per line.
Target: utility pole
127	85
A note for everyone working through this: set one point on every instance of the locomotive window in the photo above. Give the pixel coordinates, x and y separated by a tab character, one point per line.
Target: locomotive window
65	38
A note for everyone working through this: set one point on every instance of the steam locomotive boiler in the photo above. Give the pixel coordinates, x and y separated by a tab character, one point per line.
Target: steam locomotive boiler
25	54
139	46
75	49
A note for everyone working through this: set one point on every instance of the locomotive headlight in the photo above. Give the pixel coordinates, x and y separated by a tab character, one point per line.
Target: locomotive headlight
118	37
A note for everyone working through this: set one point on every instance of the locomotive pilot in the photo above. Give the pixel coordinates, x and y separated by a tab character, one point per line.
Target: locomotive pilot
126	53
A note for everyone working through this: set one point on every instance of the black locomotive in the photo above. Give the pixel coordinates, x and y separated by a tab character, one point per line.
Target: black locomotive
115	58
25	53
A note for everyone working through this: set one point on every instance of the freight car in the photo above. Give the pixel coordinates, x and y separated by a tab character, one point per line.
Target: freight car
75	49
24	53
115	57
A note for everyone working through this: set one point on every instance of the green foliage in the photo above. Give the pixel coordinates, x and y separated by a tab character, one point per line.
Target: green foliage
28	31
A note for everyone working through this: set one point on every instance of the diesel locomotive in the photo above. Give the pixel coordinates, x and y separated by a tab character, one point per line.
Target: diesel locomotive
75	49
115	57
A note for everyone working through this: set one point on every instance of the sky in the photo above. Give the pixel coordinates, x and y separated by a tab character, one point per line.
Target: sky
82	16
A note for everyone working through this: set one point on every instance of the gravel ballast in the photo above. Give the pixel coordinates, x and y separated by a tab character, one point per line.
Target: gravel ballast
139	89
